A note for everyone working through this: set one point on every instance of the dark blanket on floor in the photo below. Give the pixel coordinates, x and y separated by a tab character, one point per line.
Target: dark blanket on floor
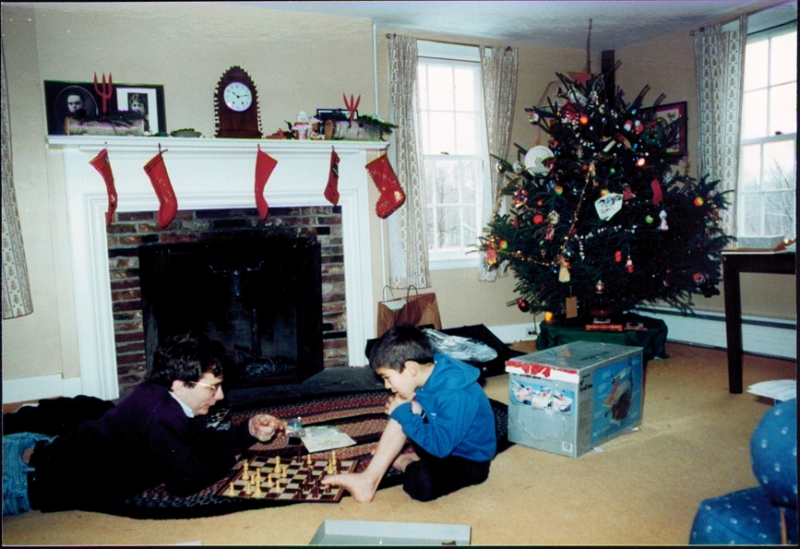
360	415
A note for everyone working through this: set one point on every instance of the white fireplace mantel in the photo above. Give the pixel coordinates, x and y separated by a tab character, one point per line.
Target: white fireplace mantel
205	174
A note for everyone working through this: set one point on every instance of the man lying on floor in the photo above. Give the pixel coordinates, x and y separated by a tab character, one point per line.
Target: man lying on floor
155	435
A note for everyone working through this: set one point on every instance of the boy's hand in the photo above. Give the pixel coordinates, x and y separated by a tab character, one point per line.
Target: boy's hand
264	426
396	400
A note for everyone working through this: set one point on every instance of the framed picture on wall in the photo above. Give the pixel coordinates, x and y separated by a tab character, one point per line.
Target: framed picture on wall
71	105
145	99
672	113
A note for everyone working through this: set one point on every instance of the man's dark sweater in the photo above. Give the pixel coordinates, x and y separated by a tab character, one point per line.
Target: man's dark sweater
145	441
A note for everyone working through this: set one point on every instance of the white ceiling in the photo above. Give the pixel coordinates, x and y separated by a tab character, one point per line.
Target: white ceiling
562	24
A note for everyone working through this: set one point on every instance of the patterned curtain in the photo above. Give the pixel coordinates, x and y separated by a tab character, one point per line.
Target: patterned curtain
407	232
719	64
499	92
16	289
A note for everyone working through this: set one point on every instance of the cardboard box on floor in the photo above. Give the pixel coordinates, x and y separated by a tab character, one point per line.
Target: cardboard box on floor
364	532
571	398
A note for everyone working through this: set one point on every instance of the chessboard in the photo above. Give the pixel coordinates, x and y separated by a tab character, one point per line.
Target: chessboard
262	477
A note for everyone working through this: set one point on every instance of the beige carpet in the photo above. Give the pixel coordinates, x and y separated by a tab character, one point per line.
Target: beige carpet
642	489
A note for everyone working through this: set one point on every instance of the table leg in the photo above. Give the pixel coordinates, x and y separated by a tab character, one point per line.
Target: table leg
733	325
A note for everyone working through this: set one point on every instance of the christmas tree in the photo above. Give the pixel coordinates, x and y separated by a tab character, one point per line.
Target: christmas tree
597	222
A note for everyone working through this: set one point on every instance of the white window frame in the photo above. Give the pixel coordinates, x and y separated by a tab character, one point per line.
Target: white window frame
456	54
757	35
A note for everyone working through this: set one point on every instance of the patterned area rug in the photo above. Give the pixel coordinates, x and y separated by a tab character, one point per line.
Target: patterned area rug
361	416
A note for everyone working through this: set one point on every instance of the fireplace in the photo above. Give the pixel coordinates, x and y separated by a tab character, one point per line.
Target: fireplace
209	176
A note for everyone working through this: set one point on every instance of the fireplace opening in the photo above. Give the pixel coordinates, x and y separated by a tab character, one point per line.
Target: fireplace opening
260	296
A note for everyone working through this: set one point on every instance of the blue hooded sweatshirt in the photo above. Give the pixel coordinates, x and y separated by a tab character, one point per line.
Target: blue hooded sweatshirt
457	418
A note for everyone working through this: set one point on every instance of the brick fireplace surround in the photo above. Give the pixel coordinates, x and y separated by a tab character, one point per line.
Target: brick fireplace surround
129	230
213	179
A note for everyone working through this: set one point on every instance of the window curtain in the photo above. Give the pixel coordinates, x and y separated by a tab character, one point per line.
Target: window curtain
407	231
16	289
719	66
499	68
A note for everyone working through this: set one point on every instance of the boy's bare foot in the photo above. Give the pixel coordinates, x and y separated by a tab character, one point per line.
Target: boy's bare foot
360	486
402	461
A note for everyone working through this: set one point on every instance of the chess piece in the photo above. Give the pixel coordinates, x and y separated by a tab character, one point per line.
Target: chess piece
270	484
308	460
248	489
258	493
277	464
246	473
231	490
283	472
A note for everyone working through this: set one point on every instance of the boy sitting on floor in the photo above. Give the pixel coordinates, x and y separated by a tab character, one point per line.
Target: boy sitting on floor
438	405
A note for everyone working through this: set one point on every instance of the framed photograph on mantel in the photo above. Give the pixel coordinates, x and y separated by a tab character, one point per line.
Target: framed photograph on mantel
145	99
666	115
75	108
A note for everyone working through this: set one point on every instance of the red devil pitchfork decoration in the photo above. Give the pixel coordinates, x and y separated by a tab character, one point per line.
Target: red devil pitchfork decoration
351	107
105	91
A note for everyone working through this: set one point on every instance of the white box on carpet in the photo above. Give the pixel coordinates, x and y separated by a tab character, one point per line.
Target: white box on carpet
573	397
365	532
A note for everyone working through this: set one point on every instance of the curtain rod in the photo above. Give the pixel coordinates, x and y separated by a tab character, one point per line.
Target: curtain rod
391	34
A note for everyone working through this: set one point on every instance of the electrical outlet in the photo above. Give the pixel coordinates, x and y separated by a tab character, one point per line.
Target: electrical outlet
531	331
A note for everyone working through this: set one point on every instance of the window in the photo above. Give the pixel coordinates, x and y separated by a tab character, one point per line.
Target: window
453	138
767	173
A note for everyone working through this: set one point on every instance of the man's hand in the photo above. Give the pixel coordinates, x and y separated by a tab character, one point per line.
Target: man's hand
264	426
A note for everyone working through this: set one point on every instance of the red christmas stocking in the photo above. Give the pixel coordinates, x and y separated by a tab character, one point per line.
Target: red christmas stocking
264	166
332	189
157	171
392	195
103	165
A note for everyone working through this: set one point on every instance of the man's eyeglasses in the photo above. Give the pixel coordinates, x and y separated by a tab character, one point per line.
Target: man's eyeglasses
212	388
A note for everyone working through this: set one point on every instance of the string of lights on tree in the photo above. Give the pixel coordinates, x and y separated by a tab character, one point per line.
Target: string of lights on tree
598	215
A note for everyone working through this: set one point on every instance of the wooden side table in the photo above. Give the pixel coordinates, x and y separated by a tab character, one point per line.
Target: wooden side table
733	263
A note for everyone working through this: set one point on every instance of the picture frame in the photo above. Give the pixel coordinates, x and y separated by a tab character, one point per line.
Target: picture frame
147	99
666	115
62	99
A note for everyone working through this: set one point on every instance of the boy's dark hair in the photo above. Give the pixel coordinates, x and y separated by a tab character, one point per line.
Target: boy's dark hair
187	357
399	344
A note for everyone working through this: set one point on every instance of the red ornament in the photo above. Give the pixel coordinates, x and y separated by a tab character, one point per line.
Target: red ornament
523	305
537	219
629	265
618	256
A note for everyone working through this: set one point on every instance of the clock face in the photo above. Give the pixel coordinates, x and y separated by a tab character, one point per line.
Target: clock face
238	97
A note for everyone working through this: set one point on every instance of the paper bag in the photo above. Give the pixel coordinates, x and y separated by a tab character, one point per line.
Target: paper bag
416	309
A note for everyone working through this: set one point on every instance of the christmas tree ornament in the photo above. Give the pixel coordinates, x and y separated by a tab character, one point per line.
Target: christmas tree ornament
608	206
698	201
558	190
658	196
518	167
648	219
599	287
629	265
563	271
663	226
392	194
102	164
653	133
520	196
168	203
523	305
627	193
332	188
491	256
500	168
698	278
535	160
537	219
618	256
264	166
